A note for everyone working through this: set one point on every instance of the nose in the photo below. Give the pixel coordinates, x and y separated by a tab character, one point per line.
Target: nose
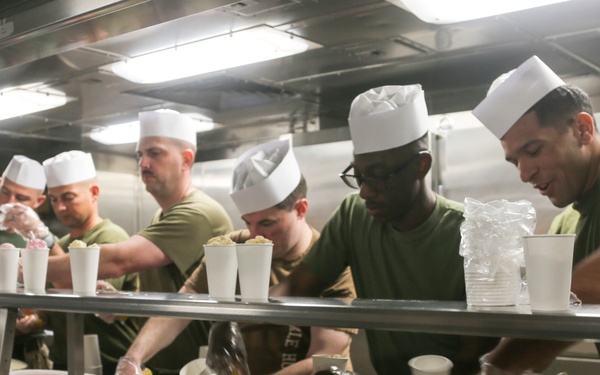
142	162
12	199
58	206
365	192
527	171
254	231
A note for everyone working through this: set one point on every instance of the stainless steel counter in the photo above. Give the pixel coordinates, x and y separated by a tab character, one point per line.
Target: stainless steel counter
579	323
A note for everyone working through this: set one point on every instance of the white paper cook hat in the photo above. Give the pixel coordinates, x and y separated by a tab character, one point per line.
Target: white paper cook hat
387	117
69	167
167	123
515	92
25	172
264	176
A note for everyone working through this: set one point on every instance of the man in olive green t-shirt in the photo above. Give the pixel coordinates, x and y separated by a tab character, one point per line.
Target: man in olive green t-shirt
167	251
274	205
23	182
74	198
400	239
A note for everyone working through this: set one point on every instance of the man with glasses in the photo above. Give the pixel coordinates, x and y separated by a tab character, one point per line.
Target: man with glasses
400	239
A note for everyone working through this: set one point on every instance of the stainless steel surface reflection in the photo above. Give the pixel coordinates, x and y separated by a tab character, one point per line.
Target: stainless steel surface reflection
580	322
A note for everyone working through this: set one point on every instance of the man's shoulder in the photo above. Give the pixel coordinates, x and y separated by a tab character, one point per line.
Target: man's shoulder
450	206
198	202
12	238
106	232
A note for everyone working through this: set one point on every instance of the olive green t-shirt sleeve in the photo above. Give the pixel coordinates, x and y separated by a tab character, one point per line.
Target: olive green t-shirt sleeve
182	231
565	222
199	279
327	258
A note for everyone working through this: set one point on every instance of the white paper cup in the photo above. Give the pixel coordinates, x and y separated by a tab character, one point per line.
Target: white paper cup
84	269
430	365
9	269
35	267
254	264
221	270
323	362
195	367
92	363
549	262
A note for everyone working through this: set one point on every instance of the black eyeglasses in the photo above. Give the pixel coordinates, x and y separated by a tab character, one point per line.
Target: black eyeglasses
376	183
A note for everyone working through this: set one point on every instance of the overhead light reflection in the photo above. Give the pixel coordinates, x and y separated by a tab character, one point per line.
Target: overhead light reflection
450	11
23	100
222	52
129	132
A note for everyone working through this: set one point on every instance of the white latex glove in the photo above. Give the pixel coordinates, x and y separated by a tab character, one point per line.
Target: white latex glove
16	217
128	366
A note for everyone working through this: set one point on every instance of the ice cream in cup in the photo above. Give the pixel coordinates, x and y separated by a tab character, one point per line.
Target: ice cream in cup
221	268
254	264
35	266
84	267
9	267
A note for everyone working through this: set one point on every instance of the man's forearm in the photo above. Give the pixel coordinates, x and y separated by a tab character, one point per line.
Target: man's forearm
303	367
519	355
156	335
59	270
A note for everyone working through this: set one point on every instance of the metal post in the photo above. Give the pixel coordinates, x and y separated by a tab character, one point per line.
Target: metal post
75	344
8	320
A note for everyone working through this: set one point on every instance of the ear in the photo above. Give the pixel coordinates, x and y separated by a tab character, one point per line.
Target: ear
585	127
188	157
95	191
301	207
425	161
40	200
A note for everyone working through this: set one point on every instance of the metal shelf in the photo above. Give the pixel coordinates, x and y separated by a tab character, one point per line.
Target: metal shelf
579	323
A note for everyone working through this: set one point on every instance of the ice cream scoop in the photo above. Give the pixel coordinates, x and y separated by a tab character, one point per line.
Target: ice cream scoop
259	239
77	244
36	244
220	240
7	246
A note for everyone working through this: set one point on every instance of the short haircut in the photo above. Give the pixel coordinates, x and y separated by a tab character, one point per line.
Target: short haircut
419	144
563	101
299	192
182	145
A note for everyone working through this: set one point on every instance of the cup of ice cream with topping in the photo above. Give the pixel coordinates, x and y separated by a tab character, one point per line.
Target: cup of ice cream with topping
9	267
221	268
254	265
35	266
84	267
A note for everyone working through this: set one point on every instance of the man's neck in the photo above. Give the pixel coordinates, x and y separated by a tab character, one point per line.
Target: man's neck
303	243
419	212
169	201
593	172
86	227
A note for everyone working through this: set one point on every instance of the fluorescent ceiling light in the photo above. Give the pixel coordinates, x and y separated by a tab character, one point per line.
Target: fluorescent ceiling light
222	52
449	11
22	100
129	132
